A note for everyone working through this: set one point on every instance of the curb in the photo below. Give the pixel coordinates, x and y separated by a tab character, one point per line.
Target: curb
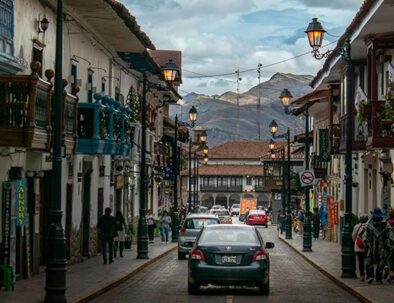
338	282
96	293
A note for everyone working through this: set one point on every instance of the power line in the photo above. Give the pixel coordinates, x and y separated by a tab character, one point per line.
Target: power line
201	75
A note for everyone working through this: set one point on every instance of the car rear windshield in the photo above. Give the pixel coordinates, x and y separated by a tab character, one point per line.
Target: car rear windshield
222	213
229	237
199	223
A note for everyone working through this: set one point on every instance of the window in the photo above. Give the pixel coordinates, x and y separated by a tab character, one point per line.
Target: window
211	181
7	27
90	85
222	181
235	181
103	82
259	181
205	181
248	180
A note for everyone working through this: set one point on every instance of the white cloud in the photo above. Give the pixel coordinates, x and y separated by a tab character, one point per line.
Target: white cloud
220	36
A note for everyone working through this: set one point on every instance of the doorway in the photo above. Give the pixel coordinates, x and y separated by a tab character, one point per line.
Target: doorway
86	208
100	212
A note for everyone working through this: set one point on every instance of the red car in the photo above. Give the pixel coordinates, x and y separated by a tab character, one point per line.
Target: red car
257	217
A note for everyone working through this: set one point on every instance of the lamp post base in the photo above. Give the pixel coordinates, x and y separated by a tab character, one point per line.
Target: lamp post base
175	228
307	235
288	227
348	257
142	242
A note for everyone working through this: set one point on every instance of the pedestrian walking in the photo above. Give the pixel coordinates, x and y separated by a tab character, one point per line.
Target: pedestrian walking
120	234
106	225
300	221
150	220
374	236
389	269
282	221
165	222
359	248
316	223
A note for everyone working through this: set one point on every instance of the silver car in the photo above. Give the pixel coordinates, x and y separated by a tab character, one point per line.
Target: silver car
190	229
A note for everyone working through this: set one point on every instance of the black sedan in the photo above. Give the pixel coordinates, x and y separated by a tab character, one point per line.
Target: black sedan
229	255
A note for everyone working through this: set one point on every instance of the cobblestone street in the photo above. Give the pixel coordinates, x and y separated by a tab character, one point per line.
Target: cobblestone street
292	280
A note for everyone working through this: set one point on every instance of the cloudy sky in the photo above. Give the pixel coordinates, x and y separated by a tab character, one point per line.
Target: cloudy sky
220	36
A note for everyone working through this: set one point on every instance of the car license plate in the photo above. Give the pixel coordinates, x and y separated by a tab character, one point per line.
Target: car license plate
229	259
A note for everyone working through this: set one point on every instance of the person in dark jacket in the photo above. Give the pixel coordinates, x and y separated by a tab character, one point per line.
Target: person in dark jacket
316	223
106	225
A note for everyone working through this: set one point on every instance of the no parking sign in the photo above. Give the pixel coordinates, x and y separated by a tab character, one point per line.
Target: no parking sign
307	177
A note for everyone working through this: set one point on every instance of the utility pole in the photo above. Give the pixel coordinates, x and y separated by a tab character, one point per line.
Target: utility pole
259	101
238	80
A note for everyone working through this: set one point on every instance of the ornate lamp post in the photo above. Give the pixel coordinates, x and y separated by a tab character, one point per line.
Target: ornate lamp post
55	282
315	33
193	118
170	71
274	128
285	98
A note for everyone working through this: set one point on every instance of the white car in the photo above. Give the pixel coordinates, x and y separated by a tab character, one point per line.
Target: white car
217	207
234	210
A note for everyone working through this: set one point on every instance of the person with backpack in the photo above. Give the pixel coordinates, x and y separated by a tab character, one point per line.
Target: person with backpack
359	248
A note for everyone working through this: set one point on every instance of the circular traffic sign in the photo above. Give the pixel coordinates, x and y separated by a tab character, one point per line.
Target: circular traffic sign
307	177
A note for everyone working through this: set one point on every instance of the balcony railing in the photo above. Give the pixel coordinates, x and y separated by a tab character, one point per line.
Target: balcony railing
319	167
272	183
104	127
335	138
380	128
359	133
26	112
206	188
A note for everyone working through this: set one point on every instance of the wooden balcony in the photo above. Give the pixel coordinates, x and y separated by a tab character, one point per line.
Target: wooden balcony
380	129
319	167
104	127
272	183
359	133
26	112
206	188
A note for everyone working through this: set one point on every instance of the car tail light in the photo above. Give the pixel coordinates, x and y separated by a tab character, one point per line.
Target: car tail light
259	255
182	231
197	255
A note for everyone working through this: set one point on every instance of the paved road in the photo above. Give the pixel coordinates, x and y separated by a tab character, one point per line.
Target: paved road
292	280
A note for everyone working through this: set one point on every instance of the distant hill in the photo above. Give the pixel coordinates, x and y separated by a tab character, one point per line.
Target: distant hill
218	113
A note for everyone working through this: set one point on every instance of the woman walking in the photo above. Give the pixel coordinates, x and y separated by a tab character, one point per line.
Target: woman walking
150	220
316	223
359	248
165	222
120	236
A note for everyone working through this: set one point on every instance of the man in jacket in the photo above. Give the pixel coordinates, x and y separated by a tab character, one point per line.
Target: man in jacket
106	225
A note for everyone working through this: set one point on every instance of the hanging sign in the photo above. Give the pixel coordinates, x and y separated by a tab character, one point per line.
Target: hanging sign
307	178
21	198
6	211
324	154
323	209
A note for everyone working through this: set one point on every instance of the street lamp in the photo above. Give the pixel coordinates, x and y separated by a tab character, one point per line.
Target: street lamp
170	71
203	136
273	126
271	145
206	159
315	32
205	149
55	282
285	98
193	118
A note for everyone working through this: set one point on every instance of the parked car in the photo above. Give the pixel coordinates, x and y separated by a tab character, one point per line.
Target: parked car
257	217
216	207
229	255
235	208
203	209
189	230
223	214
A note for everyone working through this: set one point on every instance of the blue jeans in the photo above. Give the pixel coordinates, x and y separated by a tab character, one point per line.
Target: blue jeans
164	233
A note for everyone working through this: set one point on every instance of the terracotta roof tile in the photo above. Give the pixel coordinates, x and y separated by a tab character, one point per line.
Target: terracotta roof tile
239	150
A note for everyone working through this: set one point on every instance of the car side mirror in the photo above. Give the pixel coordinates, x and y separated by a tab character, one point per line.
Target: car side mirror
269	244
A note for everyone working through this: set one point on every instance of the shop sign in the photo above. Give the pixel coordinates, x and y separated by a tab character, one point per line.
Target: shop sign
6	236
21	198
323	209
336	213
324	154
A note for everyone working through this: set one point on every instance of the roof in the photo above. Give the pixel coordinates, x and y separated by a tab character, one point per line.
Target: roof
229	170
113	21
356	22
239	150
317	94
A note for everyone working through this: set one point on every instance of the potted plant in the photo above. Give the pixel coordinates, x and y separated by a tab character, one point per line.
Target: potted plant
364	107
129	236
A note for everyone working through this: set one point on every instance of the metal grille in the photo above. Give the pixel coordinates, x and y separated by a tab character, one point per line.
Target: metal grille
41	108
13	107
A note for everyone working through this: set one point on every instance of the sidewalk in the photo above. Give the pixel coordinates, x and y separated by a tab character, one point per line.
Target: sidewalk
326	256
89	278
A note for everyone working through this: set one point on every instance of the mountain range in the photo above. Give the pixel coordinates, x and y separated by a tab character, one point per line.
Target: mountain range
225	121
